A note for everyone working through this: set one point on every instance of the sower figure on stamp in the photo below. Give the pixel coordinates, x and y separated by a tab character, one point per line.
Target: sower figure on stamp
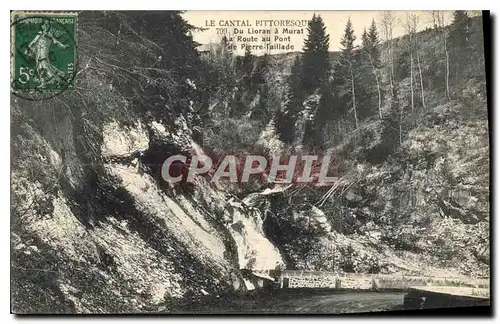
40	49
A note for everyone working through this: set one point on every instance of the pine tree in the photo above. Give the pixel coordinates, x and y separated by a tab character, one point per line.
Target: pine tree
247	58
316	62
221	77
391	135
261	70
172	33
374	43
244	90
315	77
307	76
459	34
315	129
459	43
247	67
347	41
369	84
262	109
247	63
226	44
294	80
347	73
460	18
285	121
364	40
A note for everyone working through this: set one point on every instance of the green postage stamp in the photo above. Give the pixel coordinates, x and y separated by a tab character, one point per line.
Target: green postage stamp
43	52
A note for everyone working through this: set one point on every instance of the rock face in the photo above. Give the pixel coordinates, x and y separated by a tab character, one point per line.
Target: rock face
317	218
136	245
307	114
424	210
255	251
117	142
270	140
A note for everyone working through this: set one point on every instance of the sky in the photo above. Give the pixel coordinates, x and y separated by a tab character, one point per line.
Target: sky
335	22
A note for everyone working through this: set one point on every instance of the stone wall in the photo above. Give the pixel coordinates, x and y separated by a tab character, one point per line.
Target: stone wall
320	279
314	281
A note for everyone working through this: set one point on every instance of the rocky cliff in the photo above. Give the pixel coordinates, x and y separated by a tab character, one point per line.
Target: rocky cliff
96	229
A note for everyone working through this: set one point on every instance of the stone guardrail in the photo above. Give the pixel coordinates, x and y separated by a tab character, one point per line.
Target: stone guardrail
322	279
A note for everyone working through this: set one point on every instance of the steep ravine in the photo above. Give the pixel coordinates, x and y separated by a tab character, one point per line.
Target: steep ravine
95	228
206	206
139	243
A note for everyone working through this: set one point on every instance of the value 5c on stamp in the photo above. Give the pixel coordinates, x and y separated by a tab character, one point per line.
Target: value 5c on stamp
43	53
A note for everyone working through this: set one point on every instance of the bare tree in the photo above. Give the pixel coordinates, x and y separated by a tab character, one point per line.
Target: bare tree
410	29
368	50
222	60
420	74
353	95
411	26
388	21
447	54
374	70
438	19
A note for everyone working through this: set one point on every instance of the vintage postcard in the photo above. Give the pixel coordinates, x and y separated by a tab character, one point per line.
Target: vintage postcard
249	162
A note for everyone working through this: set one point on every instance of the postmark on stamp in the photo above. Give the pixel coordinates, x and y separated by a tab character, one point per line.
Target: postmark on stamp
43	53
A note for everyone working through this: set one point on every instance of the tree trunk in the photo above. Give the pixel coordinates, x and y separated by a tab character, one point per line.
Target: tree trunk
390	80
389	63
447	67
392	62
447	75
421	80
378	87
353	95
400	125
411	80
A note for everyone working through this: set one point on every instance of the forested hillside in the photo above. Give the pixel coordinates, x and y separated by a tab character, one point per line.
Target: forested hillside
95	228
406	119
